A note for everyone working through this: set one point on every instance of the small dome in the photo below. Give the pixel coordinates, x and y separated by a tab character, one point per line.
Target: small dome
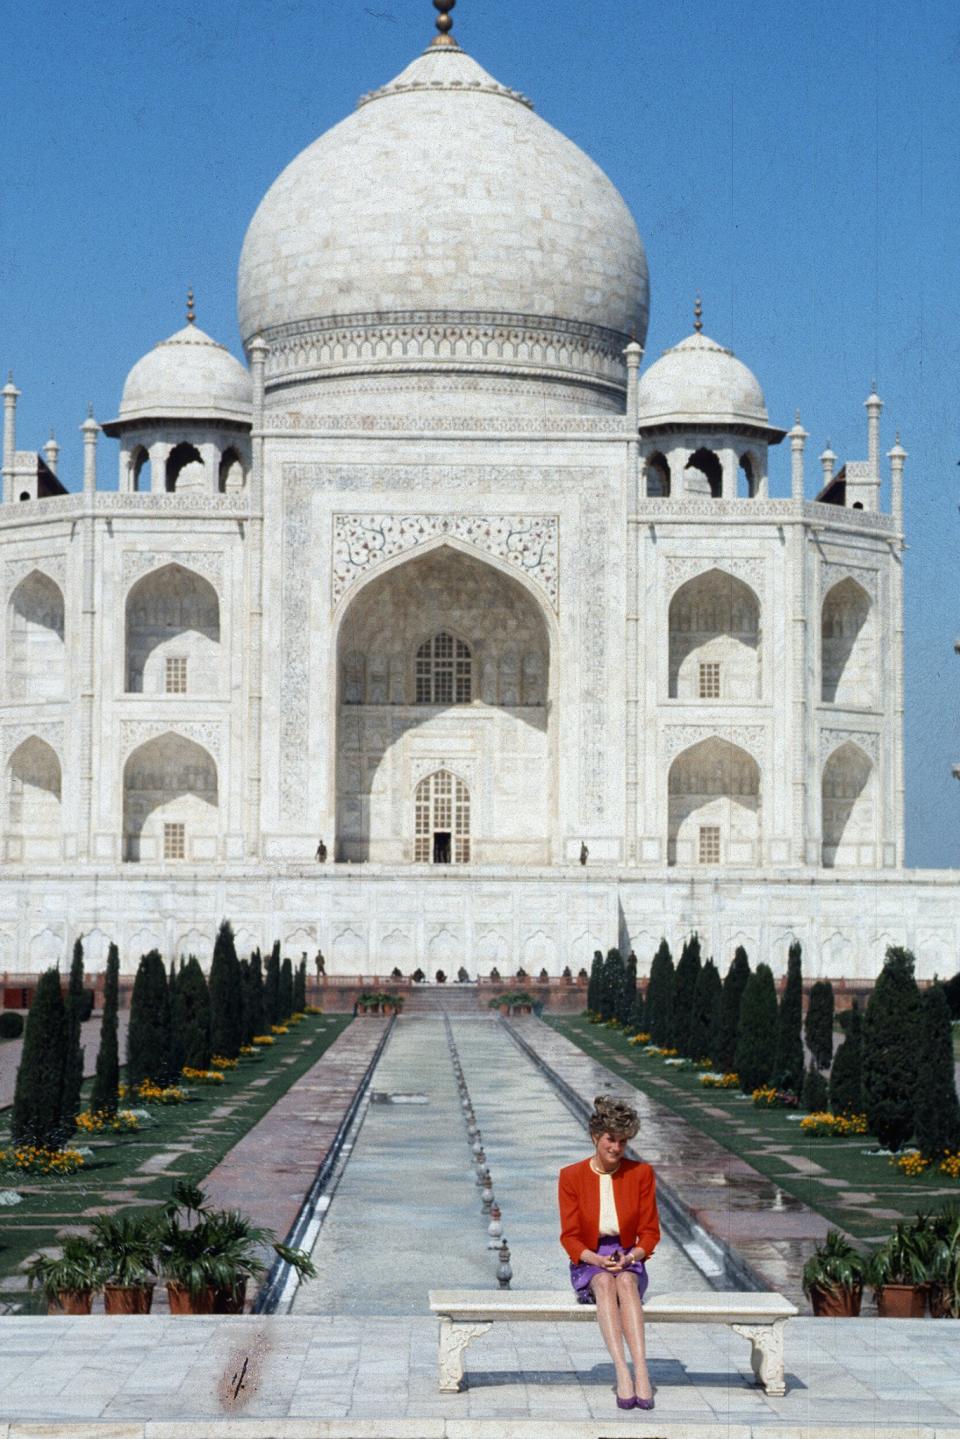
699	381
188	376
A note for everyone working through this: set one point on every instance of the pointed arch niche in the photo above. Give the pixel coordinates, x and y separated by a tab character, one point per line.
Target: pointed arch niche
713	806
173	634
714	653
34	815
170	802
36	664
849	808
445	659
848	654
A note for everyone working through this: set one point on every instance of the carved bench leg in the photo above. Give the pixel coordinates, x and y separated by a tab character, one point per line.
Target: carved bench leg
453	1341
766	1354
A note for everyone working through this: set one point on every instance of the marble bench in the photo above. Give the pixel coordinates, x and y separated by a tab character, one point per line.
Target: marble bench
465	1314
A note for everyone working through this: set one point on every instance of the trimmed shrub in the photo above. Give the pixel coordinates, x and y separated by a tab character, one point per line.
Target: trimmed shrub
659	1018
788	1068
193	1015
951	989
256	1016
73	1068
684	985
226	1002
271	987
11	1024
756	1049
818	1027
285	998
611	984
245	1026
177	1057
937	1125
37	1116
148	1035
628	991
300	987
816	1096
846	1091
705	1012
734	983
595	983
891	1039
104	1096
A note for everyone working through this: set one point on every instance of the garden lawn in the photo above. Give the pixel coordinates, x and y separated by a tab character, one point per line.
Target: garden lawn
857	1191
135	1171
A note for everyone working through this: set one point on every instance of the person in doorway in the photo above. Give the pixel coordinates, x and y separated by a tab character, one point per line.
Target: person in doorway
321	855
609	1228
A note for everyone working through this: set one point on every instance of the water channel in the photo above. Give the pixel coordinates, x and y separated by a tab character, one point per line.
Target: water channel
403	1214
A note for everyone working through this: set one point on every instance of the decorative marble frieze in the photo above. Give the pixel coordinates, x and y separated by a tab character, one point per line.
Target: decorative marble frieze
831	740
54	566
51	732
681	568
832	572
206	733
677	738
208	563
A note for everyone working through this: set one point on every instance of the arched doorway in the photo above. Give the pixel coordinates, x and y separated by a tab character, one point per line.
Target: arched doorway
848	808
848	652
714	642
442	820
170	802
173	634
714	806
34	784
35	640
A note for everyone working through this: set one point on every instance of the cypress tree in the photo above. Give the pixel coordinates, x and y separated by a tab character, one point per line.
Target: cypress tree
176	1059
788	1069
37	1116
756	1050
819	1023
245	1031
148	1035
951	989
734	983
256	994
286	991
685	982
300	988
638	1014
106	1081
891	1037
815	1096
595	983
937	1128
660	995
705	1012
271	987
73	1068
628	991
225	1000
846	1092
193	1006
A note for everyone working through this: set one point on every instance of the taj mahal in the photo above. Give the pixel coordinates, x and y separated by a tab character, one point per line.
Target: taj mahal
455	579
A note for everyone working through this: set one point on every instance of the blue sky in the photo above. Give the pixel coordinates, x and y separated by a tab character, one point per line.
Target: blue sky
799	165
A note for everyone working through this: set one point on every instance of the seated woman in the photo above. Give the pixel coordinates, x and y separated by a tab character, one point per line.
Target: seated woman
609	1228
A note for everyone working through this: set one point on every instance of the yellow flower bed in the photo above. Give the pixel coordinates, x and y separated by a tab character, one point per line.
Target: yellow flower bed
296	1018
249	1049
313	1009
161	1094
122	1122
220	1061
639	1039
950	1165
836	1125
765	1096
279	1029
720	1081
912	1164
666	1053
34	1159
263	1039
202	1076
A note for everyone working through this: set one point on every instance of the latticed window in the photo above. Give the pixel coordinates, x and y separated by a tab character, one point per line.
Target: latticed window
444	671
442	820
709	848
176	674
710	680
174	841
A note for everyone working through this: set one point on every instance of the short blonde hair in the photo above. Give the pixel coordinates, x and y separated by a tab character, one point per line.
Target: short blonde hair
614	1117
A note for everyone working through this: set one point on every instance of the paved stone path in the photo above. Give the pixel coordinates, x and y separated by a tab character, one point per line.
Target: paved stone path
11	1049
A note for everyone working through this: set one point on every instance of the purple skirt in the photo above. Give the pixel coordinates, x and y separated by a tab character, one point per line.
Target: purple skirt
581	1274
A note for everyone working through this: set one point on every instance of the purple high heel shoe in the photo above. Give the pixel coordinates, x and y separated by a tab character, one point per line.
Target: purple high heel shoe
639	1403
627	1403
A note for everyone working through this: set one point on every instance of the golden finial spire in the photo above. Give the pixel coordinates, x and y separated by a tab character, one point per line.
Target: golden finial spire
444	23
698	313
191	312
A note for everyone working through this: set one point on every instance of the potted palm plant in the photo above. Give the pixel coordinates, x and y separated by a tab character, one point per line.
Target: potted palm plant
833	1277
126	1246
900	1271
68	1279
184	1257
943	1290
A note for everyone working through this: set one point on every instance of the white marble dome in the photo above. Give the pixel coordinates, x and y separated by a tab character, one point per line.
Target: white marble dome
188	376
444	201
700	381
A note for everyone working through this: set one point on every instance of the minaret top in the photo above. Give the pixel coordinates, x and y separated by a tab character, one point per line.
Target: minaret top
444	24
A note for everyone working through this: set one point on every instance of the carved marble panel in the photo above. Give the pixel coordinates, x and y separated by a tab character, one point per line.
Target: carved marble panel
832	572
749	569
53	566
832	739
51	731
208	563
677	738
206	733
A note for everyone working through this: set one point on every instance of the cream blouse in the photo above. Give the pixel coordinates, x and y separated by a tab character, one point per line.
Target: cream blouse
609	1223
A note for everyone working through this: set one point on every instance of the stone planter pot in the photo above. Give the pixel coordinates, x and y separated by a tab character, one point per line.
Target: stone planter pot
127	1299
183	1302
230	1298
71	1301
938	1302
504	1009
836	1303
902	1301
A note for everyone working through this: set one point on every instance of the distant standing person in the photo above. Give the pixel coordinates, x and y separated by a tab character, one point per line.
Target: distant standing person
322	852
320	964
609	1228
584	852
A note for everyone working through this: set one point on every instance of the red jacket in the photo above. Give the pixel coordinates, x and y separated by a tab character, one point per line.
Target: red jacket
634	1193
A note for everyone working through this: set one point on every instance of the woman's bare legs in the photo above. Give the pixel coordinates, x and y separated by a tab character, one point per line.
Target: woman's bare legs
605	1289
630	1312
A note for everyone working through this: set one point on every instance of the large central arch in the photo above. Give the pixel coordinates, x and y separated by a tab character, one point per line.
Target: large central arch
444	662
